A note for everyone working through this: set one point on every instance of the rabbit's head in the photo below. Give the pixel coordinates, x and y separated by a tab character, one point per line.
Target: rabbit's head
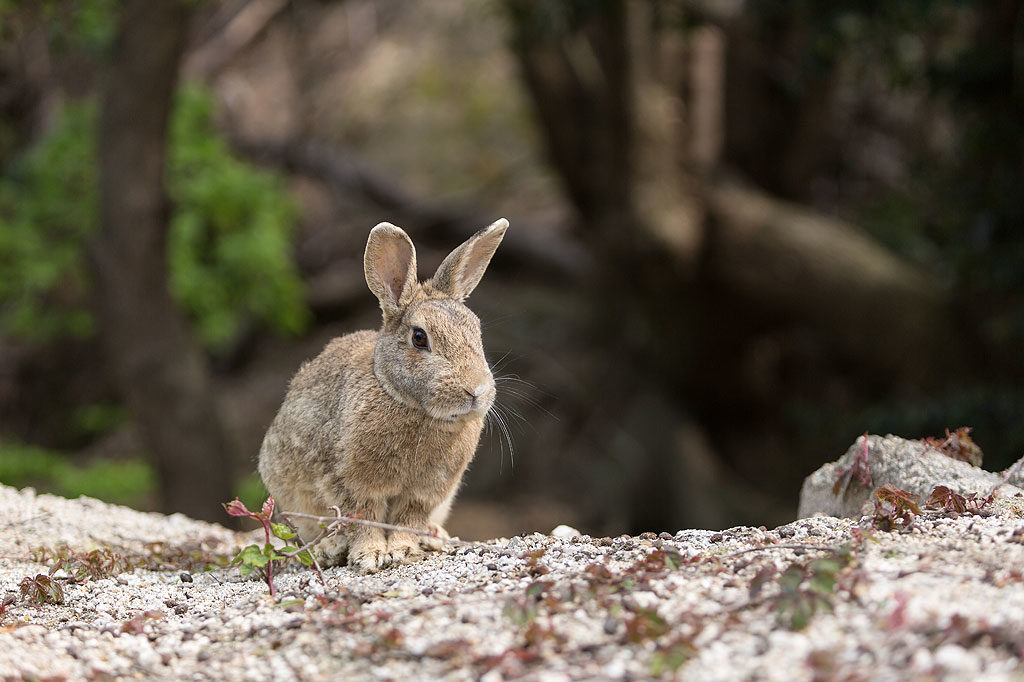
429	354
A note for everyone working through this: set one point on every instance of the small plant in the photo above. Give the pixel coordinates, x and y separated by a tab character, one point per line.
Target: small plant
261	559
644	624
522	610
859	470
958	445
806	590
137	625
670	657
894	508
947	500
42	589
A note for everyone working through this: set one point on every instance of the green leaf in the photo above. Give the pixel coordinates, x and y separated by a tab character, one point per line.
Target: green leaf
823	576
535	590
253	555
305	558
282	531
669	659
790	580
800	616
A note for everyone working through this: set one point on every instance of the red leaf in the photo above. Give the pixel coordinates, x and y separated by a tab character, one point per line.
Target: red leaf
236	508
268	508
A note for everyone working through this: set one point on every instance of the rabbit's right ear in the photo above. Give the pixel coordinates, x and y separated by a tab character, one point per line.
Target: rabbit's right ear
390	266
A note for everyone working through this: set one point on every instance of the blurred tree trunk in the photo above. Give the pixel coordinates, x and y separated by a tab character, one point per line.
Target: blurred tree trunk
687	262
160	369
580	73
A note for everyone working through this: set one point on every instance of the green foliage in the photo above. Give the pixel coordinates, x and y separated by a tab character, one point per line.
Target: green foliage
230	240
87	25
131	482
229	249
48	208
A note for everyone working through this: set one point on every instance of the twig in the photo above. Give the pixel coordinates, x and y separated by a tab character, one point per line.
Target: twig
334	524
819	548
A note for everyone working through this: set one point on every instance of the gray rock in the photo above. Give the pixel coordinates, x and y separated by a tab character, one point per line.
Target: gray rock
1015	473
905	464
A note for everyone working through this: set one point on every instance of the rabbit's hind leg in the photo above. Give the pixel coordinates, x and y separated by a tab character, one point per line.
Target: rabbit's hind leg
434	543
333	550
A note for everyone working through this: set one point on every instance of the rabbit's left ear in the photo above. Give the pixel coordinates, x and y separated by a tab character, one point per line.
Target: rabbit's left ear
462	269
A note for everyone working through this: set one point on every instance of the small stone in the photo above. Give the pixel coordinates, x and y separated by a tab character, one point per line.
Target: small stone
666	536
610	626
786	532
717	537
564	532
185	577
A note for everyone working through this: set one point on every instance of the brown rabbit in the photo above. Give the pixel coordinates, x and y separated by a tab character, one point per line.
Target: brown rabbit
383	423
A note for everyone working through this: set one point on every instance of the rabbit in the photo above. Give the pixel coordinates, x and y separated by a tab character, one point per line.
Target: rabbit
383	423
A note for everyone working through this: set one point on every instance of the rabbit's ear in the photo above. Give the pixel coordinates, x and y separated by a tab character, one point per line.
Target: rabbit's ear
462	269
390	266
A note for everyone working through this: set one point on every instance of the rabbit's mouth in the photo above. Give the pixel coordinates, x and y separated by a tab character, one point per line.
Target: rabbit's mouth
469	409
449	416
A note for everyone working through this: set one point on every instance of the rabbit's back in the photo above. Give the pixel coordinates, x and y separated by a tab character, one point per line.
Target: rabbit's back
300	448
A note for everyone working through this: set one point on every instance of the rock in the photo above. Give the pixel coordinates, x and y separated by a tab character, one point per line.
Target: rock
564	532
1015	473
905	464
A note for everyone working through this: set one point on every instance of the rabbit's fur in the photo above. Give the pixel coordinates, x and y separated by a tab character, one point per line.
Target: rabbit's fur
376	424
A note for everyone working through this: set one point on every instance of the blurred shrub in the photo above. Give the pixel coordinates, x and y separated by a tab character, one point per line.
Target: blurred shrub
131	482
48	208
229	242
230	238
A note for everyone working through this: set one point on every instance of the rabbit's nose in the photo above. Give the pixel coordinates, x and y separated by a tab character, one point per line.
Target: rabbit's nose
476	392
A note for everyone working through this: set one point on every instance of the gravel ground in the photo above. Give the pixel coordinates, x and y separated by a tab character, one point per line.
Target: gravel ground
942	600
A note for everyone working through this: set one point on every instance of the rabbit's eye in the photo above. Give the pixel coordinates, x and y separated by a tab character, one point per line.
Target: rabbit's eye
419	339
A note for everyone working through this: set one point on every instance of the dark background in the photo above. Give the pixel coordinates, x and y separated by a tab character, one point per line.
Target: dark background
743	233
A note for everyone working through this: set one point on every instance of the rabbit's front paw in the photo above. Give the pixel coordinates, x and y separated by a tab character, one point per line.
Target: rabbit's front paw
403	548
436	542
369	557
